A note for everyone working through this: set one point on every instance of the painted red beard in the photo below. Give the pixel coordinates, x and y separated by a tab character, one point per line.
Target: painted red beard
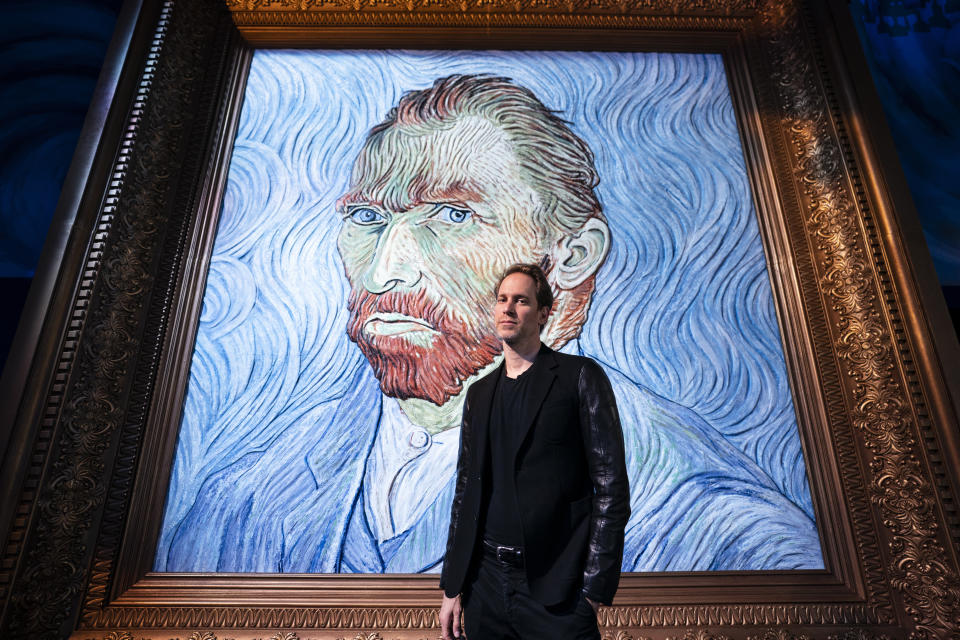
407	370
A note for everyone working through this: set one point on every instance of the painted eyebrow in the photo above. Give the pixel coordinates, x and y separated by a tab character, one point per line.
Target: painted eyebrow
354	198
458	191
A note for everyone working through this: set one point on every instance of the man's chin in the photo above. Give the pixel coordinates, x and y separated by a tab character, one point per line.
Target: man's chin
512	338
508	337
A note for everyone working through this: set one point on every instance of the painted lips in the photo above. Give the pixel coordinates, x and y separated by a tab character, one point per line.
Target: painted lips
390	324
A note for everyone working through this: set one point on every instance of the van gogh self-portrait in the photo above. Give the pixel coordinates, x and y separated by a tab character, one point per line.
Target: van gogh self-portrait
348	305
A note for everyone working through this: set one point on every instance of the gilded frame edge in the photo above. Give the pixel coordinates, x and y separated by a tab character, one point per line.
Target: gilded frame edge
640	592
352	37
634	589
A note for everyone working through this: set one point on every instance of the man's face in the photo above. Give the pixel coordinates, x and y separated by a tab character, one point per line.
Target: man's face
517	315
434	216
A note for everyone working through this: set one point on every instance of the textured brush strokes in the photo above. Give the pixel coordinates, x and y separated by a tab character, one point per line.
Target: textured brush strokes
683	304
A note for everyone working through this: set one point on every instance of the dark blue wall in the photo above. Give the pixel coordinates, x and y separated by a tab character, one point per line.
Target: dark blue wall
50	58
913	49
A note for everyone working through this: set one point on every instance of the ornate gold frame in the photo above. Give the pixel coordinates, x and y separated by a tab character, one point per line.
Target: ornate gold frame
91	440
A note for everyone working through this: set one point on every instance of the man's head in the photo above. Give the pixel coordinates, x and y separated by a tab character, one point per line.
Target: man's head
523	303
459	181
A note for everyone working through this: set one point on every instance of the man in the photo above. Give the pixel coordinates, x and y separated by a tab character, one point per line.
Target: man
542	497
461	180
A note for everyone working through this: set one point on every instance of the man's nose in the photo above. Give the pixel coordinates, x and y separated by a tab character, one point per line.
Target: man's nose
396	260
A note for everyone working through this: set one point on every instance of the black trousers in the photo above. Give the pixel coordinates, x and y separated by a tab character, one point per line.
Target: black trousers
497	605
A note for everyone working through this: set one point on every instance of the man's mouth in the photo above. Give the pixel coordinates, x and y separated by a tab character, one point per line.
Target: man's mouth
391	324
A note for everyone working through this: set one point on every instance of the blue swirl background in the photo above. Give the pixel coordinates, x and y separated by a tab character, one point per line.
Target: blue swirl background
683	306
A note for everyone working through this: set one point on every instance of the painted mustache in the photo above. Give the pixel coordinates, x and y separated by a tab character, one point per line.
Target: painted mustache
394	307
458	349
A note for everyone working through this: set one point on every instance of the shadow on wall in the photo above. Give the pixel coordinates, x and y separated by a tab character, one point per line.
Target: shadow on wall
913	49
52	55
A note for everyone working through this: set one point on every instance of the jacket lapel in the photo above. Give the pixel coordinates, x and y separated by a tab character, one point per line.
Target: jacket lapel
543	373
480	409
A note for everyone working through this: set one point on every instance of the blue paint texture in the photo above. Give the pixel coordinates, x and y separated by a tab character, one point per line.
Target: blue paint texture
282	409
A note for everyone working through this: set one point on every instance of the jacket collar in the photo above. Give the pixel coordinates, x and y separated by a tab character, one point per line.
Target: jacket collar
542	372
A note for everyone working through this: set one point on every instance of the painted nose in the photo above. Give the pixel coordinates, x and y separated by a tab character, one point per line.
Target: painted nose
396	261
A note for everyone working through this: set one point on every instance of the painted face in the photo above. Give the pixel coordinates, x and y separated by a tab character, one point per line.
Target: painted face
434	216
517	315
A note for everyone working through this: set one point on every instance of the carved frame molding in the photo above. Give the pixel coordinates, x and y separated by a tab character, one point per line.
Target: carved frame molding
886	480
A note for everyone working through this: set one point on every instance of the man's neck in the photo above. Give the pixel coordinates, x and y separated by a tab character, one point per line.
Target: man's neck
448	415
517	358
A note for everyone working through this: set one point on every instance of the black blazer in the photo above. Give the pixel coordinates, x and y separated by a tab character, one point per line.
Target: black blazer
571	481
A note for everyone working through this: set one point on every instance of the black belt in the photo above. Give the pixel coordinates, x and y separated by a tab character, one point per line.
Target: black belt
510	556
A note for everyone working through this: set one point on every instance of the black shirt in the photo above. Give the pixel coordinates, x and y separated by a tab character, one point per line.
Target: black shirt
501	513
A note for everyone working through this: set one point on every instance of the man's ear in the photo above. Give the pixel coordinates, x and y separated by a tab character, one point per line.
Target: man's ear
543	314
579	256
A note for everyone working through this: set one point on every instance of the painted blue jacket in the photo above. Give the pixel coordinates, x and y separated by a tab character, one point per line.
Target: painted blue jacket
697	502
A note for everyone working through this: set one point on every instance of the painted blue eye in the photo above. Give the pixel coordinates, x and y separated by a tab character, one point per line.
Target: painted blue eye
449	213
366	215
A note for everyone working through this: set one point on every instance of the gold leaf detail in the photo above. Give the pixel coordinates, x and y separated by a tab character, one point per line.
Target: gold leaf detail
882	410
699	634
778	634
857	634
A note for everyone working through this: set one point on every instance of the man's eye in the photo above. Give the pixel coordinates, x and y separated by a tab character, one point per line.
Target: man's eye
365	215
449	213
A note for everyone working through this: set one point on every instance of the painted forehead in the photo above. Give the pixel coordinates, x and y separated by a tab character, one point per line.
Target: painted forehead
465	159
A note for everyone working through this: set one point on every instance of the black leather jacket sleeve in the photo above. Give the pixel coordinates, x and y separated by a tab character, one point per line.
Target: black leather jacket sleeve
463	471
603	443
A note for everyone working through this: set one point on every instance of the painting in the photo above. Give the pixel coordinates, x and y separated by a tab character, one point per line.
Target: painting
372	199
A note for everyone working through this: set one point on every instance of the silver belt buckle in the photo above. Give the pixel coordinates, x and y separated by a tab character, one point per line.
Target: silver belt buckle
508	555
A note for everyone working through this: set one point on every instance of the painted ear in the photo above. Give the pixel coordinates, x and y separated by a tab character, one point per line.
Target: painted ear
579	256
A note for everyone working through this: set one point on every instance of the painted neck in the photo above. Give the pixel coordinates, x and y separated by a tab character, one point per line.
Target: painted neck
436	419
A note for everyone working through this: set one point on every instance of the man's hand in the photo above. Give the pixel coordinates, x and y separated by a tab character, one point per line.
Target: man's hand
450	618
